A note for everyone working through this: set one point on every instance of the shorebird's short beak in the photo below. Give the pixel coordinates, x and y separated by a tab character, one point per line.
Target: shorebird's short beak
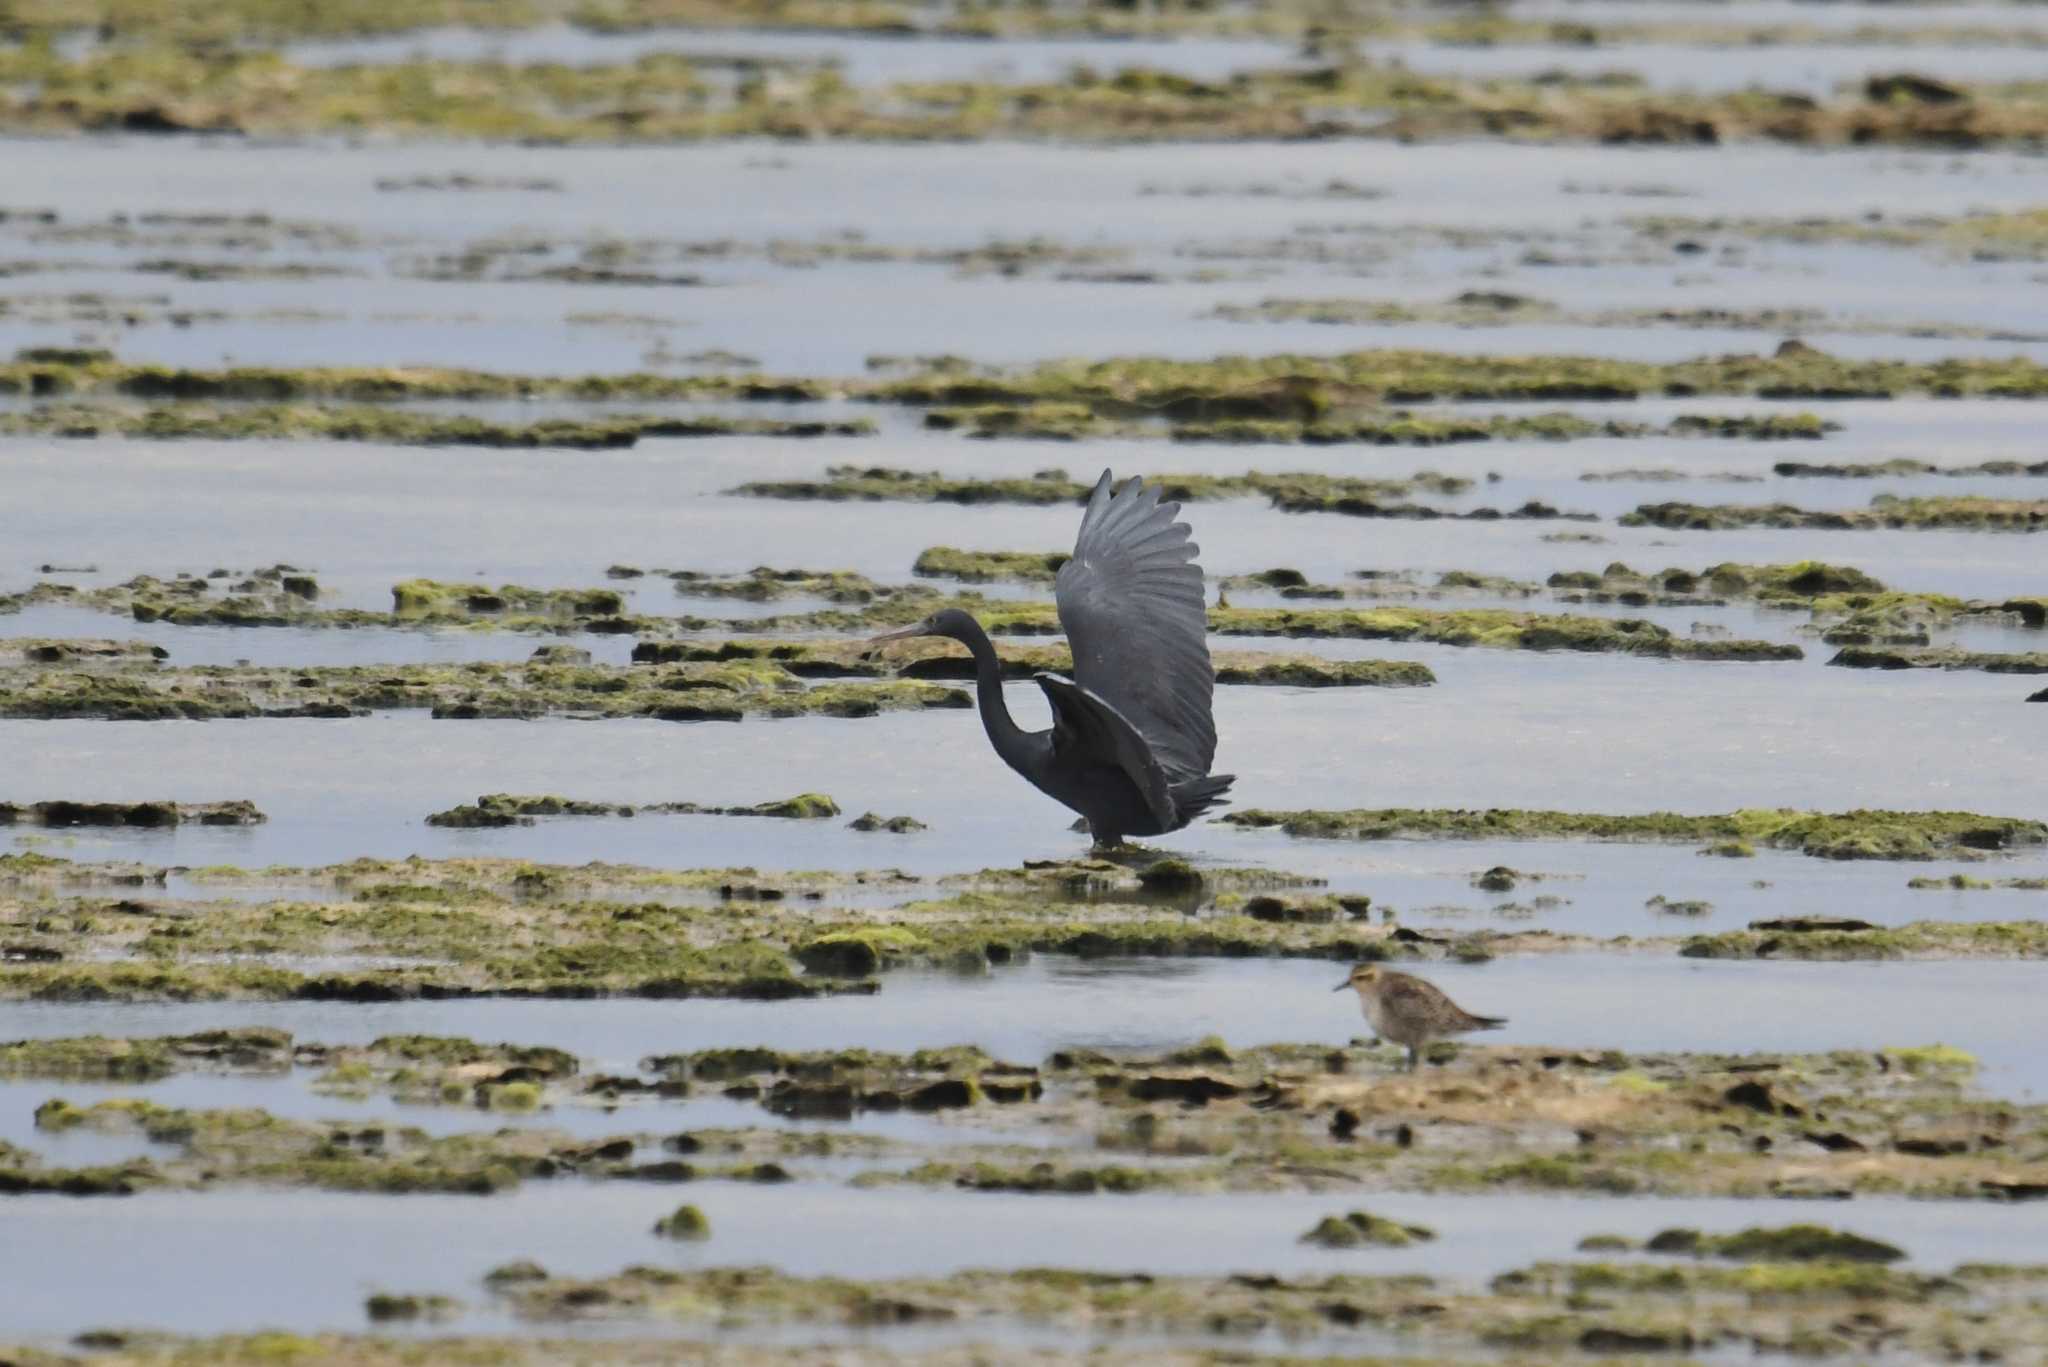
900	634
1341	986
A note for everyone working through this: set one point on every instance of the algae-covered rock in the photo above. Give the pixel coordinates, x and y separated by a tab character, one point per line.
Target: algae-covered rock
684	1222
514	1273
97	1058
1170	876
1940	657
691	692
899	825
385	1308
64	813
520	809
1885	511
1362	1229
1861	940
976	567
1843	835
1789	1243
857	953
803	807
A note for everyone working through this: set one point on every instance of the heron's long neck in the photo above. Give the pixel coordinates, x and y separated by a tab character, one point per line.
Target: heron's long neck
1011	741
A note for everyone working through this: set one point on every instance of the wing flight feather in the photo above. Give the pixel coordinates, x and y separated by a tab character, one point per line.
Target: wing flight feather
1132	603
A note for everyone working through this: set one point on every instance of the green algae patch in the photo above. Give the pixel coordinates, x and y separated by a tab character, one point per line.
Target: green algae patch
1933	1060
1963	882
980	567
1492	629
385	1308
148	814
895	825
858	953
41	373
1048	1179
838	1085
1786	1244
1363	1229
1945	658
433	599
1906	467
1919	940
696	692
1845	835
1293	492
1488	308
1969	513
122	1180
521	809
37	650
95	1058
573	961
940	660
1305	386
684	1222
279	596
766	583
185	70
389	427
1296	388
255	1148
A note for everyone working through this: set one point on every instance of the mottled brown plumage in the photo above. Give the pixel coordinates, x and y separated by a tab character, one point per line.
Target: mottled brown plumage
1410	1011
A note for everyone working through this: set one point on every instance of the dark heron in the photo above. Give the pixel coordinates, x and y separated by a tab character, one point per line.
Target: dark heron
1132	736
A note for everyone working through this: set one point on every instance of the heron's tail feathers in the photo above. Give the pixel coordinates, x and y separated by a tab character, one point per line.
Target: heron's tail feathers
1195	796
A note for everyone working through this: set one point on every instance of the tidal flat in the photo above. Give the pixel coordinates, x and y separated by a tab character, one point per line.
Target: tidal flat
469	892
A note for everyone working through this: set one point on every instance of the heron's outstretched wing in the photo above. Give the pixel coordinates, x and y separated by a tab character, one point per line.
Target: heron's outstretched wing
1132	605
1084	727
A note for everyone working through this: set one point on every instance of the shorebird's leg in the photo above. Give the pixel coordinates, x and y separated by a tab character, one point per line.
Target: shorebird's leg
1414	1057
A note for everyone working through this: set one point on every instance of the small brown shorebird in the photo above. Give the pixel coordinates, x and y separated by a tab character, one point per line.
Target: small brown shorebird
1410	1011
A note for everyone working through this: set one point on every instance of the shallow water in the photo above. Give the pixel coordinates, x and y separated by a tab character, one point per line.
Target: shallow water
1125	201
1590	733
190	1263
364	517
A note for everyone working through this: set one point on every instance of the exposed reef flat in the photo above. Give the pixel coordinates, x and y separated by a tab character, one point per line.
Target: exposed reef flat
692	692
1844	835
1960	513
1202	1119
392	930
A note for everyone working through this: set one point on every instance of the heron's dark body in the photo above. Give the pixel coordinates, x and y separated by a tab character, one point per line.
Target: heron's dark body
1133	736
1092	784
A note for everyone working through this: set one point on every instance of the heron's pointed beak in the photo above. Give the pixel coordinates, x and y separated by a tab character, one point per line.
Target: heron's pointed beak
900	634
